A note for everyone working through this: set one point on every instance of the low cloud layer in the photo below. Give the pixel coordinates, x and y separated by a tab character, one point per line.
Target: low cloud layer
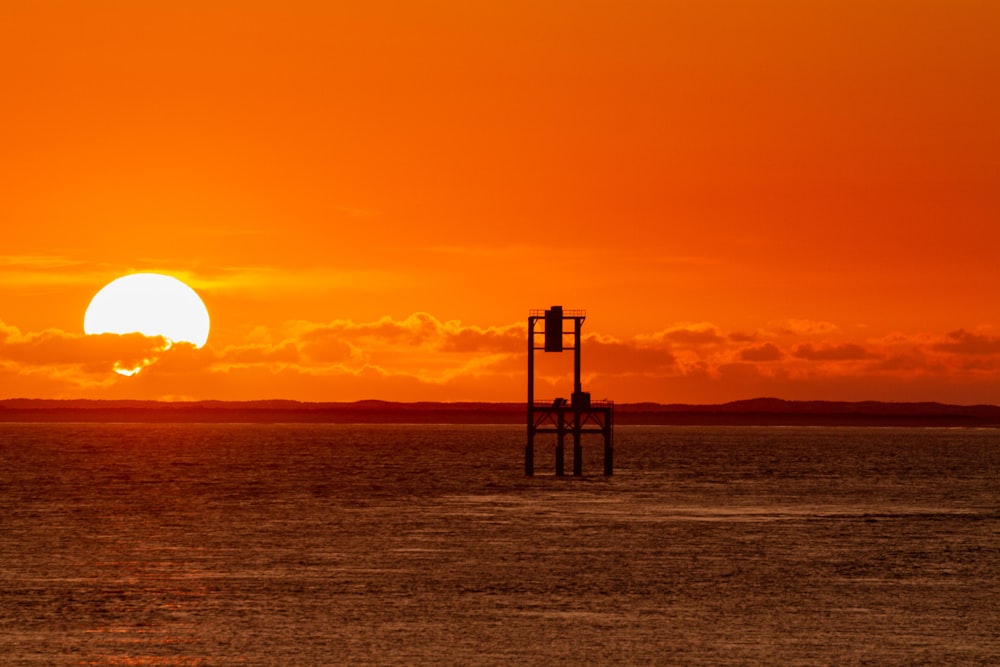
421	357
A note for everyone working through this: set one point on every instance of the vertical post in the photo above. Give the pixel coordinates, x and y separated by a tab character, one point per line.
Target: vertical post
560	446
577	449
609	452
577	398
529	447
578	326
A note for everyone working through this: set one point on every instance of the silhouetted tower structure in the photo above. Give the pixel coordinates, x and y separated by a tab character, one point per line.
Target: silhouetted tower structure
578	416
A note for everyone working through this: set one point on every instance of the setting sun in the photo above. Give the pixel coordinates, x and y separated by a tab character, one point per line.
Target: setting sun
151	304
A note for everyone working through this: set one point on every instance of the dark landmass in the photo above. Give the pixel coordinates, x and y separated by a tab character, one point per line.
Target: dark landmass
753	412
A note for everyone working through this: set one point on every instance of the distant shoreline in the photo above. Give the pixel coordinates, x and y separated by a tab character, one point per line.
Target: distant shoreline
753	412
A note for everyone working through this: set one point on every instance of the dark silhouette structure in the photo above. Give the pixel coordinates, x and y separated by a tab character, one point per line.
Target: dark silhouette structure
580	415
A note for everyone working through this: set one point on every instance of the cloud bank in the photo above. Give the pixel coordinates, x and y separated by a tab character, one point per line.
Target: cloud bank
421	357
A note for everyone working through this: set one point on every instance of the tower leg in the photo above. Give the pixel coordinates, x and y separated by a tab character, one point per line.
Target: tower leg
609	455
560	457
529	458
577	454
560	444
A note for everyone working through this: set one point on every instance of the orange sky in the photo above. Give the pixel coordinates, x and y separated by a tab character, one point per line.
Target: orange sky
781	198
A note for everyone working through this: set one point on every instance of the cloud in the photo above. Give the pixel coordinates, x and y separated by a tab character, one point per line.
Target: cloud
322	345
808	327
262	353
250	280
627	357
419	330
423	357
963	342
32	271
419	350
742	337
905	363
700	333
55	363
764	352
830	352
92	353
509	339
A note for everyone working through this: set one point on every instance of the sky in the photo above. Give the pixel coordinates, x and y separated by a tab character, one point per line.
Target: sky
769	198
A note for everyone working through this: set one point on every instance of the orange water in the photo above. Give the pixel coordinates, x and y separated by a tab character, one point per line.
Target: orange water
372	545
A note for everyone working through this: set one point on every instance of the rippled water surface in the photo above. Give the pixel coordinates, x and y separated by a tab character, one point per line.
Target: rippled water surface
132	544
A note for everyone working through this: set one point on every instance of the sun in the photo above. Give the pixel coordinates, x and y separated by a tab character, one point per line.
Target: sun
151	304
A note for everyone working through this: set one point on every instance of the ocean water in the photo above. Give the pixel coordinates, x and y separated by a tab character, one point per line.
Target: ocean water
171	544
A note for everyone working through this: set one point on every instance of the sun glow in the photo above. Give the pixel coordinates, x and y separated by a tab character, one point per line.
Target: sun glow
151	304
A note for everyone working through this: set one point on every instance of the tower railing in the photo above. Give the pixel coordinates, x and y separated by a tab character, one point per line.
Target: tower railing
567	314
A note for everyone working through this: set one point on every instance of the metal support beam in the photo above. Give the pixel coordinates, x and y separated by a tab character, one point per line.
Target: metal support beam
577	448
529	447
578	326
609	450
